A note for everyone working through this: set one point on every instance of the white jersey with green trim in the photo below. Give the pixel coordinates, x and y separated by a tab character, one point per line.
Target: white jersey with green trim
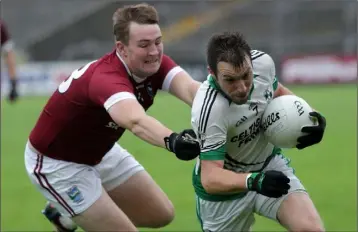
232	132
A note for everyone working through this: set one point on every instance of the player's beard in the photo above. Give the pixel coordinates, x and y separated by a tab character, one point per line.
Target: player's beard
239	100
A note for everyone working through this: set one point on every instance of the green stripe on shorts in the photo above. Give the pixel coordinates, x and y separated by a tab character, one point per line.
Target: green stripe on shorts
197	203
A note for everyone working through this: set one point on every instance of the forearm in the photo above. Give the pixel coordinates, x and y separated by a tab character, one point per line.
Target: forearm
184	87
10	61
150	130
193	89
220	180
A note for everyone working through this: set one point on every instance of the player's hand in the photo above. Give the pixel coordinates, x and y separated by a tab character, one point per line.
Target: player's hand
314	134
270	183
184	145
13	95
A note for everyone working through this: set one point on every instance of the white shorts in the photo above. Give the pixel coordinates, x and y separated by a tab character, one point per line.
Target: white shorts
73	187
238	214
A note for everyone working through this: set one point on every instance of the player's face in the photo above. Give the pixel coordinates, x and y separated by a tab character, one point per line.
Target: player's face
235	82
145	49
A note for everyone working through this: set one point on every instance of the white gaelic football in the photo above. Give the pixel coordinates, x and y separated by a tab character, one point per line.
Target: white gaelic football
284	118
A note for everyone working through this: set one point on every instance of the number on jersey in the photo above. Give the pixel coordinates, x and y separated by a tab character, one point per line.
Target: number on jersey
63	87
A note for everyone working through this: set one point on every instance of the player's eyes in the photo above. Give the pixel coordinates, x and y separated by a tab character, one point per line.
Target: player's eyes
143	45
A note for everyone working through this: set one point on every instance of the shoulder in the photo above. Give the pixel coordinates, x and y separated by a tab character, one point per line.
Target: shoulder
263	63
109	69
108	77
167	65
167	61
209	104
167	71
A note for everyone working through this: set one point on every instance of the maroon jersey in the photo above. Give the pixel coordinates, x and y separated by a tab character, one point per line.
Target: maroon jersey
75	125
4	36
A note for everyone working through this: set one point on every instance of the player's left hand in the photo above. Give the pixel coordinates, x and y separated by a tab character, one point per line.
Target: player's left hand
314	134
184	145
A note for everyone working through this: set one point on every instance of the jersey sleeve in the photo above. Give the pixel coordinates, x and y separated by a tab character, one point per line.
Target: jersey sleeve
106	89
167	71
210	124
265	66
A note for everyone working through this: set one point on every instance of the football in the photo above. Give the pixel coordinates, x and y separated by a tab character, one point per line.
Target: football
284	118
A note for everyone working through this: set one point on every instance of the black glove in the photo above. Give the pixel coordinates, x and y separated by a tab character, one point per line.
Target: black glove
270	183
314	133
13	95
184	145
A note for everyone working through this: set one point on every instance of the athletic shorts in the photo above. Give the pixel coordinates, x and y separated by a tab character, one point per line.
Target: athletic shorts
238	214
72	187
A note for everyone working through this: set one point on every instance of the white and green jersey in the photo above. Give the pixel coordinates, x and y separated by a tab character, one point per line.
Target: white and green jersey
232	132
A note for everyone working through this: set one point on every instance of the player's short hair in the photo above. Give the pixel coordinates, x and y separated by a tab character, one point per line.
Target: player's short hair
141	13
228	47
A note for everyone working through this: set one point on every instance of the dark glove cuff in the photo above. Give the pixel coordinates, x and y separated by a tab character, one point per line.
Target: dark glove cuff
169	141
250	181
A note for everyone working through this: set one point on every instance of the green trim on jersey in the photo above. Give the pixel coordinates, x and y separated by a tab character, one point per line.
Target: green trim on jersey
275	84
214	85
217	154
201	193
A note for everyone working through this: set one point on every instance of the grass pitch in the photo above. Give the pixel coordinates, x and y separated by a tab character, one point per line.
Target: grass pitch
327	170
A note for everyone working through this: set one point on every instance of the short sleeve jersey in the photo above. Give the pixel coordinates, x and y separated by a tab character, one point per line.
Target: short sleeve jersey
75	125
232	132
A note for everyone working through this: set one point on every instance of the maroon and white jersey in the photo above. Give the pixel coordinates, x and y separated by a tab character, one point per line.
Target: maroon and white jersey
75	125
6	43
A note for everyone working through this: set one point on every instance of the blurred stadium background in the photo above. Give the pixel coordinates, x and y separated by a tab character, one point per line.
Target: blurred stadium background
314	45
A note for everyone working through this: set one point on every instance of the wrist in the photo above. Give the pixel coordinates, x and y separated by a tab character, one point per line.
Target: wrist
250	180
169	141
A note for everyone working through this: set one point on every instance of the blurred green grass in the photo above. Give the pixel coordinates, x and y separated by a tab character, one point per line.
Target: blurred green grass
327	170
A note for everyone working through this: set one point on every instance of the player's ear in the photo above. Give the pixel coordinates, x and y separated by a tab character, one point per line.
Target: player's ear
121	49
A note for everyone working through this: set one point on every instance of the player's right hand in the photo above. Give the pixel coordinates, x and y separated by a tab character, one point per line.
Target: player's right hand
270	183
184	145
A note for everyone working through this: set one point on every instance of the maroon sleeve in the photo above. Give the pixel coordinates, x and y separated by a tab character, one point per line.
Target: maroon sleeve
103	85
4	33
165	67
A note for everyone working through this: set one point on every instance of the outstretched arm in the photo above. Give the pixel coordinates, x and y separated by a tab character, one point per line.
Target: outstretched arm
184	87
129	114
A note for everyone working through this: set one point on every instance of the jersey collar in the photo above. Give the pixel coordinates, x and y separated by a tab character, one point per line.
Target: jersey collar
134	77
215	85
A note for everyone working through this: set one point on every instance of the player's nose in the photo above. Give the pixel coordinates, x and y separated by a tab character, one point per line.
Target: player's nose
241	87
153	50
